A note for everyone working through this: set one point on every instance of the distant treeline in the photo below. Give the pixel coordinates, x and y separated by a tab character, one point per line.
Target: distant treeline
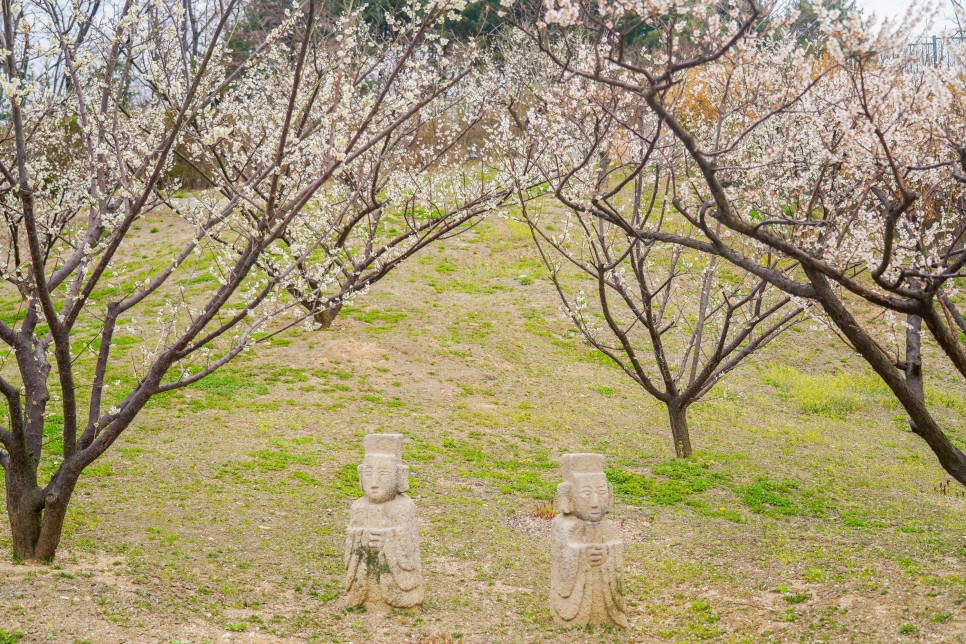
484	18
478	20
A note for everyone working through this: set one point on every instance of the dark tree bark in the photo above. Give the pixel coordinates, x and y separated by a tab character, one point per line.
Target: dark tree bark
37	513
679	430
913	366
327	316
25	512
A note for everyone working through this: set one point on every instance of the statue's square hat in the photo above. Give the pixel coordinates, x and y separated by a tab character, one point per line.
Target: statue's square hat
388	444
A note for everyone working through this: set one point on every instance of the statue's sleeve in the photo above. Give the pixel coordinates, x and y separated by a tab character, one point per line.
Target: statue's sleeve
353	542
569	571
614	591
402	550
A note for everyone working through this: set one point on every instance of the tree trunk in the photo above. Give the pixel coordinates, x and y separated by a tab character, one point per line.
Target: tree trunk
37	516
25	512
679	430
914	360
326	317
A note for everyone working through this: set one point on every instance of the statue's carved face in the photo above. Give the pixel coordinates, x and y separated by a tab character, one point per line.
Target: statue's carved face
379	478
591	496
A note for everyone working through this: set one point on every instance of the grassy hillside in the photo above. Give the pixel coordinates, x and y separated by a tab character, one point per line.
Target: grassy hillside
810	512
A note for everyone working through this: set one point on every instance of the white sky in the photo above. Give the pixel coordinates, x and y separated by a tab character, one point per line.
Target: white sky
897	9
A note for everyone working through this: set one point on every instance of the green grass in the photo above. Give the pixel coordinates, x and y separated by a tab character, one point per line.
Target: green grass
797	598
375	320
782	498
10	637
226	384
834	395
347	480
675	482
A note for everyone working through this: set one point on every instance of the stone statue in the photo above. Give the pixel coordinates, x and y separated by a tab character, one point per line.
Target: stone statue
382	542
585	576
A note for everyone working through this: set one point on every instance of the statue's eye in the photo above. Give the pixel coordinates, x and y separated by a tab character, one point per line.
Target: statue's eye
367	471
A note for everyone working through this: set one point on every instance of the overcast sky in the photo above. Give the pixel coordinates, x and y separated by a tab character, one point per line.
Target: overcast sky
897	8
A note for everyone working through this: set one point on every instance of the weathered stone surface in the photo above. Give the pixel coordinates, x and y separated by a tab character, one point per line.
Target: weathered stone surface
585	575
382	541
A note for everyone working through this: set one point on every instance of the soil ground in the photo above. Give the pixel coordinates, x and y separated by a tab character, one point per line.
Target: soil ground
809	512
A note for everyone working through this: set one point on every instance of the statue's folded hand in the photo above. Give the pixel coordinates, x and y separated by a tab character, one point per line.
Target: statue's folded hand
377	539
596	553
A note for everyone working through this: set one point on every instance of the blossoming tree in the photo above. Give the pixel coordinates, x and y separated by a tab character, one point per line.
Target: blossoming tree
99	103
848	162
675	319
425	179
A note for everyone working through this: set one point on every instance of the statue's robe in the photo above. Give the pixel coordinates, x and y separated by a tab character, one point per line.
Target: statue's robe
581	593
390	574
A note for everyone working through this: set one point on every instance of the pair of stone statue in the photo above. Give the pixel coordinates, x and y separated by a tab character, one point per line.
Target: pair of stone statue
382	542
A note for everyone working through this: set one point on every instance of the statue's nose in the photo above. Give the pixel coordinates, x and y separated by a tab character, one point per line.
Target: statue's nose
595	500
